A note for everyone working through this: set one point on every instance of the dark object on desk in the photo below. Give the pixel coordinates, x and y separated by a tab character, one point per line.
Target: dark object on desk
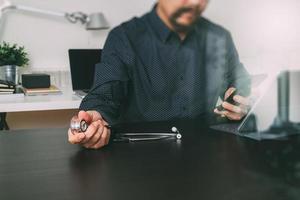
31	81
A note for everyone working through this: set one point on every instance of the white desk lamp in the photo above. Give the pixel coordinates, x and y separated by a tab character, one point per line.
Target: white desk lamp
94	21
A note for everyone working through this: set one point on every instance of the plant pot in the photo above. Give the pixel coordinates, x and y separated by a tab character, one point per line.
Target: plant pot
10	73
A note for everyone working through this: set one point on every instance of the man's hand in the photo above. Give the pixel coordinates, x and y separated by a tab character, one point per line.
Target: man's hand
234	112
96	136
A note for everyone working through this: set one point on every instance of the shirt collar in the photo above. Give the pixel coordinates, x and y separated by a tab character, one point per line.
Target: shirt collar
159	26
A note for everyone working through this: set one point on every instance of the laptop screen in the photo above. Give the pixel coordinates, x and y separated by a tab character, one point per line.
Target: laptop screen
82	65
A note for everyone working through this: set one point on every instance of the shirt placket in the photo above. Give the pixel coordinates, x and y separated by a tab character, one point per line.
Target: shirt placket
182	95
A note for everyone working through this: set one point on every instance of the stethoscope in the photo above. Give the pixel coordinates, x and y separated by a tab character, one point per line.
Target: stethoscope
136	137
81	126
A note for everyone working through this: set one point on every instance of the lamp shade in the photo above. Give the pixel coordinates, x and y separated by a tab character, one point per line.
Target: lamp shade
96	21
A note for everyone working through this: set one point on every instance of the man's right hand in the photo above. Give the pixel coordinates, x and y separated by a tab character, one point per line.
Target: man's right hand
96	136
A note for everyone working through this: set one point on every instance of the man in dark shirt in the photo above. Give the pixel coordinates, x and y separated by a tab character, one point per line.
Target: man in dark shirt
170	63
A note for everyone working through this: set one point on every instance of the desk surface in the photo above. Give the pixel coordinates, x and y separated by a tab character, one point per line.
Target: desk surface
66	100
40	164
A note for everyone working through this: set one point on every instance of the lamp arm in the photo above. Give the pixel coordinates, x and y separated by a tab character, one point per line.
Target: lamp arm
71	17
39	11
5	6
94	21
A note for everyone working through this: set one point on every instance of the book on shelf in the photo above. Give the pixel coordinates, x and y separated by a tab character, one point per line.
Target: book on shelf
7	84
17	92
7	90
2	93
42	91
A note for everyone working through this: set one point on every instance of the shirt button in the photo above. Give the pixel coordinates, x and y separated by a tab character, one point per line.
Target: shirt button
181	78
184	108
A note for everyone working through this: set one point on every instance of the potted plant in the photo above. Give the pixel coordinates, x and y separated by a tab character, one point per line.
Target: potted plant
12	56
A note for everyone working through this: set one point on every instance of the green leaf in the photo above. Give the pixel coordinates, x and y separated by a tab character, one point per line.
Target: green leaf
13	55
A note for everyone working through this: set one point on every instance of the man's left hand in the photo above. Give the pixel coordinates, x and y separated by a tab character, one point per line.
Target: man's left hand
234	112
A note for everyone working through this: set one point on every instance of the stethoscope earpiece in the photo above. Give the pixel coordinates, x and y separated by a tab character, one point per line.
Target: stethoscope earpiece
175	130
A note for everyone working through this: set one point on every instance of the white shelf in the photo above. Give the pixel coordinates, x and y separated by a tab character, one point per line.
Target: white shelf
66	100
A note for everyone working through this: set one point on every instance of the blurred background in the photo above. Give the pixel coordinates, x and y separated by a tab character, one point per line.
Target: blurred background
266	32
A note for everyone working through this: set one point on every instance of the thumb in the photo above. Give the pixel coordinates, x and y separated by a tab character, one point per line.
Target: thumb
83	115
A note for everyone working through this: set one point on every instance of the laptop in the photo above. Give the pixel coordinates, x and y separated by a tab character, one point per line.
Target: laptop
275	114
82	67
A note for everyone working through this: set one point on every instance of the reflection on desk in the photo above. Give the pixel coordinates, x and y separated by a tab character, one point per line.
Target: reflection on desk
206	164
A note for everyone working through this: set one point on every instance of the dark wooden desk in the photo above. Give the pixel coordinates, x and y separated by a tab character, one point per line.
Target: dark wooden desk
40	164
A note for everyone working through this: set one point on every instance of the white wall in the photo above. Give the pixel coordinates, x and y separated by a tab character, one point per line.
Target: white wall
266	32
47	39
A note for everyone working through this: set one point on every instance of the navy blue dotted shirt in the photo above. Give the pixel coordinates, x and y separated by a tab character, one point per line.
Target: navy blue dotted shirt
147	73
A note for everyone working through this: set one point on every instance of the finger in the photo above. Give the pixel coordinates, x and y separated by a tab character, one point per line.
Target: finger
219	112
95	139
108	132
91	131
103	139
232	108
94	115
234	116
242	100
83	115
108	136
105	135
75	138
244	108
